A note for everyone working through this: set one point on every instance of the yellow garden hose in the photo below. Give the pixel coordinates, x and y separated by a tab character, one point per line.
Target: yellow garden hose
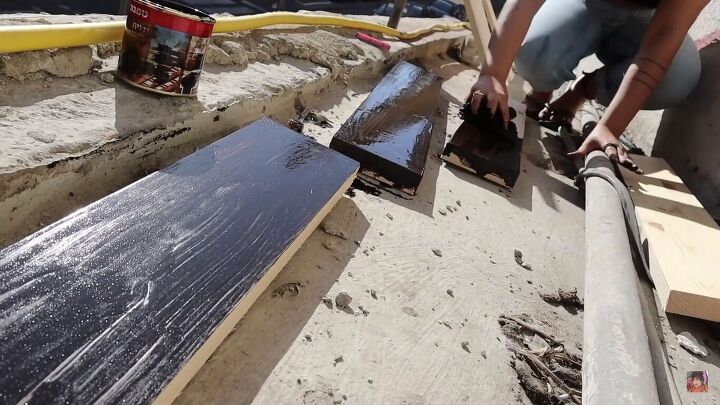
19	38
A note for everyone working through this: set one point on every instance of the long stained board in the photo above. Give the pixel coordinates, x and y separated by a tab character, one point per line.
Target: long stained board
684	241
124	300
389	134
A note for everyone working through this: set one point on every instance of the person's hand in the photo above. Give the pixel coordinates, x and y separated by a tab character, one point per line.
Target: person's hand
602	139
494	92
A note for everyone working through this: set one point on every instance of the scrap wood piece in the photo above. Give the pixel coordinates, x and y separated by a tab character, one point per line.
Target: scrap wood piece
544	370
562	357
389	134
532	328
683	240
125	299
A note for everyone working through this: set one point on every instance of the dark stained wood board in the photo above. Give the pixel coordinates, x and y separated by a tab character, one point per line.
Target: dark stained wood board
125	299
500	165
389	134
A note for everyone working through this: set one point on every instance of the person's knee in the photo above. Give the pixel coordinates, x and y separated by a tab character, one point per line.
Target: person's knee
534	64
680	80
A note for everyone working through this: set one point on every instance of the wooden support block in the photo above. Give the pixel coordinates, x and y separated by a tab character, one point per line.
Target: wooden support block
390	132
477	16
496	162
124	300
490	15
683	240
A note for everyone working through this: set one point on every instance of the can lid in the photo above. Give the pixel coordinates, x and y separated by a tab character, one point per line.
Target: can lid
178	9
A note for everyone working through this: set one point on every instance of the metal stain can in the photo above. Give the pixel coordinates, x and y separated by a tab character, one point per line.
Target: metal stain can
164	47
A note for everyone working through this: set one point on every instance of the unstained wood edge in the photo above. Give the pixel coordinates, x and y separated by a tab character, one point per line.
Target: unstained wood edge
454	159
173	389
477	16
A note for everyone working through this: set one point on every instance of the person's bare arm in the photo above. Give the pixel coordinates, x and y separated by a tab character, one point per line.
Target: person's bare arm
662	39
510	30
512	26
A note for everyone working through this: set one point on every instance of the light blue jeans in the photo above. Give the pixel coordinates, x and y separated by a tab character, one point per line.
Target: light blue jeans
565	31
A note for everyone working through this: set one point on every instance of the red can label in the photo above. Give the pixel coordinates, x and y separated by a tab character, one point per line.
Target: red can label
162	49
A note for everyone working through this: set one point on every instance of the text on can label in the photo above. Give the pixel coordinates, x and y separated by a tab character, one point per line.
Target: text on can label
138	11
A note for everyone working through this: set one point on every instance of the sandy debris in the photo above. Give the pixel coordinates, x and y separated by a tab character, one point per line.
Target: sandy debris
688	342
343	300
330	244
519	260
328	302
107	77
291	289
567	298
334	230
547	374
410	311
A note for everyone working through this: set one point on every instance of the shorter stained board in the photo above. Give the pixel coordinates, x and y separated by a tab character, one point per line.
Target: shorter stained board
125	299
389	134
683	240
500	166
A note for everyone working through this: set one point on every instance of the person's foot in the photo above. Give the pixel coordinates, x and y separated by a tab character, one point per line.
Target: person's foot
563	109
535	102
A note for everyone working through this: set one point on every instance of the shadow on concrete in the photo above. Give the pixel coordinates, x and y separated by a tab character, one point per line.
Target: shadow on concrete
537	175
674	207
707	334
239	368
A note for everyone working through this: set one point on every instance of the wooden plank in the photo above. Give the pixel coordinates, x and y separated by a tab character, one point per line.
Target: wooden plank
490	15
498	163
479	24
124	300
389	134
683	240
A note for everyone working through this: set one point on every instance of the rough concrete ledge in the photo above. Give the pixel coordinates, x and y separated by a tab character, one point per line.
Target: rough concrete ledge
69	141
